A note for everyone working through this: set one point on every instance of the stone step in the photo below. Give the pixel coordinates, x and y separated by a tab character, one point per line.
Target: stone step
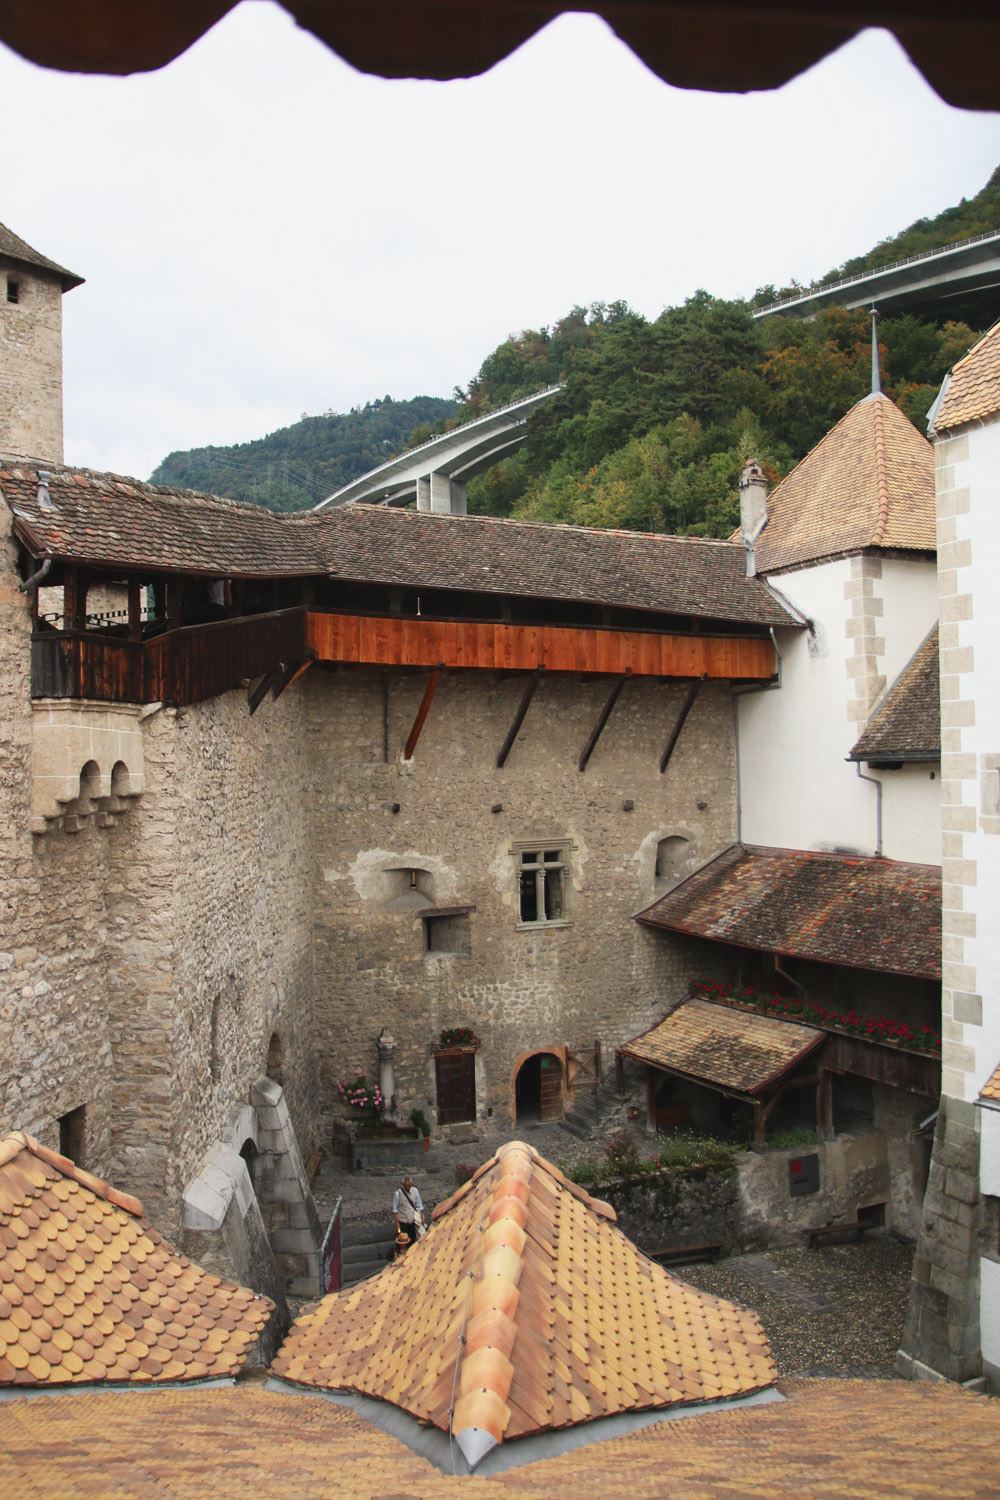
575	1127
361	1270
370	1250
366	1234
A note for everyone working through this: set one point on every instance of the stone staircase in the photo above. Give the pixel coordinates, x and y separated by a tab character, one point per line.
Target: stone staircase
594	1108
366	1249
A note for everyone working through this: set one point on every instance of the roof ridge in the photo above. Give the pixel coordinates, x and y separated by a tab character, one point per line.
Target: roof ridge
881	476
19	1140
485	1375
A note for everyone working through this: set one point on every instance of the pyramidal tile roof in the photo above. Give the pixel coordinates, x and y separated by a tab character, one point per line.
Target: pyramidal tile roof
524	1309
991	1088
868	483
91	1293
973	391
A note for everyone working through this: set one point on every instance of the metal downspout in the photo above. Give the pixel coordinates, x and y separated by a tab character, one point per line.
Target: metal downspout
878	807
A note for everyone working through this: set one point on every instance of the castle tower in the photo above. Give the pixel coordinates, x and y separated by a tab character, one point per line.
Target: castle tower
31	289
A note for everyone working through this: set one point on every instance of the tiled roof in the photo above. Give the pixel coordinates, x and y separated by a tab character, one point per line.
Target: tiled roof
90	1293
675	575
15	248
726	1048
833	908
991	1088
565	1319
868	483
839	1439
973	391
109	521
906	725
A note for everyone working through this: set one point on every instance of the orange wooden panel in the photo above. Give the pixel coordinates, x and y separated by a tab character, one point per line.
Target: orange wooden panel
477	644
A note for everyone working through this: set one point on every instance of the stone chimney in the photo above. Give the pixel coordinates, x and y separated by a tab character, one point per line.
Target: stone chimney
753	510
31	406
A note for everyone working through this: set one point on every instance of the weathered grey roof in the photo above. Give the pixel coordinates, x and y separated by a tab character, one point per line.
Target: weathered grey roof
109	521
727	1049
906	725
15	248
864	912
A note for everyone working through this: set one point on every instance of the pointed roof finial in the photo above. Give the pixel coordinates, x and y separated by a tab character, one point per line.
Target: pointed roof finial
876	374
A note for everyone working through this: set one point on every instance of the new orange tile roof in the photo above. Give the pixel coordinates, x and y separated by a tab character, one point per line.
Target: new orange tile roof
973	392
564	1319
89	1292
868	483
835	1439
991	1088
730	1049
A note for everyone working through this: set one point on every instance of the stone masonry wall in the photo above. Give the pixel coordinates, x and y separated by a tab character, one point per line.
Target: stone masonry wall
453	818
31	364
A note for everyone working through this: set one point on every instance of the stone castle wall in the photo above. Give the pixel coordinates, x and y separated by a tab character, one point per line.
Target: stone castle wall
31	364
451	817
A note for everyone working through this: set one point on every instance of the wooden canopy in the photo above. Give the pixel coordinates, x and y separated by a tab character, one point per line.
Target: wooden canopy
724	45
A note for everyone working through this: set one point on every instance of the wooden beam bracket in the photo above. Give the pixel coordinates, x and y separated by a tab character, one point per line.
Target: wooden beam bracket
292	674
423	711
598	728
675	733
256	696
526	697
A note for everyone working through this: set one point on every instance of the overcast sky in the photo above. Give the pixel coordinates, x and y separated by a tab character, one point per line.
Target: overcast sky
266	232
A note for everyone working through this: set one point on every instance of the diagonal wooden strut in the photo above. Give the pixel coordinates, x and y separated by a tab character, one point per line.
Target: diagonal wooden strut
598	728
292	674
675	733
529	693
423	711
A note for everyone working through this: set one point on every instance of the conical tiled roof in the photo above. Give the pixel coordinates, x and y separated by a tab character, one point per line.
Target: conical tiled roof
868	483
90	1293
524	1309
973	390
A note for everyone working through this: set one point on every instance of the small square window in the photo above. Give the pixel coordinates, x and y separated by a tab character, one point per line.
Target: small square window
542	885
13	290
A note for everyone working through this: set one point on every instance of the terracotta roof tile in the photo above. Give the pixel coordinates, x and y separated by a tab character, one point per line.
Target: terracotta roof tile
565	1319
108	521
840	1439
973	391
727	1048
868	483
991	1088
91	1293
906	725
867	913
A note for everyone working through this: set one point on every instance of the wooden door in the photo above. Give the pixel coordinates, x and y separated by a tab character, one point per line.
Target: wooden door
456	1086
549	1088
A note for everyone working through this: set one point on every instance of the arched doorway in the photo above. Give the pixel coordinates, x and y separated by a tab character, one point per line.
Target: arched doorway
538	1089
274	1068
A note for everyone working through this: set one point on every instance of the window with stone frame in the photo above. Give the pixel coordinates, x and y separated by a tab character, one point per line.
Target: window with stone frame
542	883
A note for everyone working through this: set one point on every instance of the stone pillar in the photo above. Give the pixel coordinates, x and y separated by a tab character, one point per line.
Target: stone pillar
386	1076
941	1337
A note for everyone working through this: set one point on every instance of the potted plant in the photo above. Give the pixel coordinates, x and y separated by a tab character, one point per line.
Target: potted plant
420	1120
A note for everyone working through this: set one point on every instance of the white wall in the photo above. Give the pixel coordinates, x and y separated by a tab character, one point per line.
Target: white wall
968	489
797	788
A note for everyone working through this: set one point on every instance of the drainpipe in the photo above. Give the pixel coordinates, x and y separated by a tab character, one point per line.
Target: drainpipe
878	807
35	578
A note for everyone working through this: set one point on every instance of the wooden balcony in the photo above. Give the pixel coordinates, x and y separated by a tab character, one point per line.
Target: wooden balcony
489	646
194	662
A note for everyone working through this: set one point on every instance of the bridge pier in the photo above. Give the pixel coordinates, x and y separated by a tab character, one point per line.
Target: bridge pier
438	492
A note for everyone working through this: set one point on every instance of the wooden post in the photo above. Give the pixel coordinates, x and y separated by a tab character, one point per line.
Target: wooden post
619	1074
175	596
134	610
651	1078
598	1070
824	1105
759	1117
75	600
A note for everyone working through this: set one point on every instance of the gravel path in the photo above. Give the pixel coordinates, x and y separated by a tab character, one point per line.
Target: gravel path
867	1285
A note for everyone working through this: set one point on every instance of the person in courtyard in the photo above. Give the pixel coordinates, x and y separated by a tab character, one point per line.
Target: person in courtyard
407	1209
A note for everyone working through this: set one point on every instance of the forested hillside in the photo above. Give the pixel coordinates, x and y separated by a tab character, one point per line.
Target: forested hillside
299	465
657	417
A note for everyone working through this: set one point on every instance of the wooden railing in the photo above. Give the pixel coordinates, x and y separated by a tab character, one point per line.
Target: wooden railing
186	665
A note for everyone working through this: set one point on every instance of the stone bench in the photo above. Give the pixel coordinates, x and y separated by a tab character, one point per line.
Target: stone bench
679	1255
825	1232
